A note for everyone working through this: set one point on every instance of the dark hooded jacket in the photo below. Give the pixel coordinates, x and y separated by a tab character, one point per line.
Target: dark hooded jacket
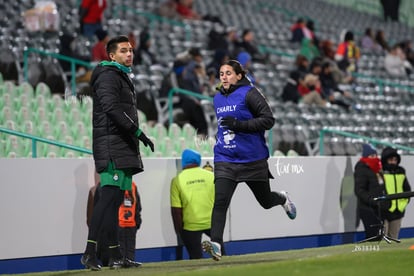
367	187
115	120
394	170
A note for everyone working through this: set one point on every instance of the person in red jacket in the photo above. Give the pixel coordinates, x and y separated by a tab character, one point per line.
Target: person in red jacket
99	49
91	16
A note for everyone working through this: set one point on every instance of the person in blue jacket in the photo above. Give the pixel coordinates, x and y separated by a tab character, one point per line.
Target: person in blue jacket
240	153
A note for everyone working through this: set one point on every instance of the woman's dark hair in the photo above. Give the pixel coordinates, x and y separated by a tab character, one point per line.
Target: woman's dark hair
112	44
349	36
237	67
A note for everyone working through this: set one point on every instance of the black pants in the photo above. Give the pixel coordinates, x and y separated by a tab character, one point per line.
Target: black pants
391	9
224	190
195	114
371	221
127	239
105	215
192	242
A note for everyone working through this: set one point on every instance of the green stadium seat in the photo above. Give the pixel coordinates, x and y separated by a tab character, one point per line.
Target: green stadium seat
189	131
9	87
174	131
158	131
39	115
45	128
61	129
278	153
43	89
29	127
25	88
55	101
40	101
6	114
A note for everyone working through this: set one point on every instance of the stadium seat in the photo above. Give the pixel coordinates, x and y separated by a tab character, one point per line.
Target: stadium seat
43	89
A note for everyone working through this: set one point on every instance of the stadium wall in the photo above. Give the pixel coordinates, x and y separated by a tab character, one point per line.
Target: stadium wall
43	210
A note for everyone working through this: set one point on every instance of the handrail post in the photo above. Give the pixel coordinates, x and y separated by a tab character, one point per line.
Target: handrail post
34	148
321	141
170	106
26	65
270	141
73	79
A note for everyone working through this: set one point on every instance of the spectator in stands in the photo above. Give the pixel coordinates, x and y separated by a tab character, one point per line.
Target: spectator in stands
310	90
290	90
220	56
299	30
301	65
406	47
347	54
168	8
192	73
192	199
330	90
221	38
368	185
395	181
391	9
240	155
68	48
395	63
99	49
246	61
328	55
381	40
309	49
310	24
248	44
185	9
368	41
115	123
91	16
143	54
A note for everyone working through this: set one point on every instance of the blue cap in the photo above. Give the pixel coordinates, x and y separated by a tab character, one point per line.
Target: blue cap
190	157
368	149
243	58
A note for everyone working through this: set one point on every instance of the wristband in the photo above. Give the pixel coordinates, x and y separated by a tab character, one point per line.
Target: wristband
138	132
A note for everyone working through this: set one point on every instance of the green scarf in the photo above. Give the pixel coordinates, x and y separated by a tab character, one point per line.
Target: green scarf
121	67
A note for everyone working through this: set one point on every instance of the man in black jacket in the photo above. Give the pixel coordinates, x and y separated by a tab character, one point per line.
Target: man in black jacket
115	145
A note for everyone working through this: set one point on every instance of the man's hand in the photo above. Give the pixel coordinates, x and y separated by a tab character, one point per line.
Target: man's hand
146	141
232	123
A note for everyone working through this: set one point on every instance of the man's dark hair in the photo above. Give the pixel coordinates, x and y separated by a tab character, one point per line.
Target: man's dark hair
112	44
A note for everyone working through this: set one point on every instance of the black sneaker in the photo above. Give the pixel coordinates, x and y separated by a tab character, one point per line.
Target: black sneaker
115	263
130	263
90	261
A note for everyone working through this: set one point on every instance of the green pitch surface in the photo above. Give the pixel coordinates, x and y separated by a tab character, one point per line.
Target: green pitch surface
352	259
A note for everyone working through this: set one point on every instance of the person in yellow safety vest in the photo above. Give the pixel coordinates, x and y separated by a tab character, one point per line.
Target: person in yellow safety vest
129	223
192	200
395	181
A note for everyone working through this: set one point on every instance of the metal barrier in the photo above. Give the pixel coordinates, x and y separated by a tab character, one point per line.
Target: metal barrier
36	139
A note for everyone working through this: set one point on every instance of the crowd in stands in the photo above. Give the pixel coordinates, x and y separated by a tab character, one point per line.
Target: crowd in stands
322	74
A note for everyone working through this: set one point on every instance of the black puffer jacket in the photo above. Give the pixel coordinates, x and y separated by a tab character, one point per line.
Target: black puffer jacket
367	186
115	120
